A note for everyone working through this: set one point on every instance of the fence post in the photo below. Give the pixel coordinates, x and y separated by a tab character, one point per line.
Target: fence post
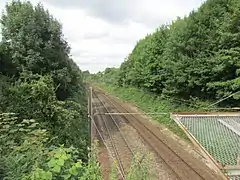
90	117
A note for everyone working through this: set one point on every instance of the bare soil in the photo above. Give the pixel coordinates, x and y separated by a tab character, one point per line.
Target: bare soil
104	161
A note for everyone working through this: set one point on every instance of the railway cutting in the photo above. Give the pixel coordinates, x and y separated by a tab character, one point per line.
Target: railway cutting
109	116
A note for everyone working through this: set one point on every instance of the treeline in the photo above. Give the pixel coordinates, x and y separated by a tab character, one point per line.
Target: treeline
194	57
43	116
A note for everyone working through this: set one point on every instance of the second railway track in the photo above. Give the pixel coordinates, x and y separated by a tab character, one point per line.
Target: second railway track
184	170
118	146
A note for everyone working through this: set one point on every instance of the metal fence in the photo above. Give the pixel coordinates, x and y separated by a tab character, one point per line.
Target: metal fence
218	134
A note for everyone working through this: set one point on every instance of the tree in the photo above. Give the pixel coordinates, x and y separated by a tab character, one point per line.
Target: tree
227	64
194	57
38	83
35	42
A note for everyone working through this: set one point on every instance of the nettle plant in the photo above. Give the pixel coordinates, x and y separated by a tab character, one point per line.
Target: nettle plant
21	145
27	154
13	132
63	163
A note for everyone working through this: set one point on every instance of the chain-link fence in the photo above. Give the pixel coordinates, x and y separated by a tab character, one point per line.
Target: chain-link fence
219	135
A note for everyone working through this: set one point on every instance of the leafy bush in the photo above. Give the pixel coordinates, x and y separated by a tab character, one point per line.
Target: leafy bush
21	144
194	57
63	163
26	154
42	98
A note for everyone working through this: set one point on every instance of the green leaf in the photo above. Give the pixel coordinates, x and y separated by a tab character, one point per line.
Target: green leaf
13	131
63	156
52	163
73	171
56	169
48	175
58	155
78	164
60	162
65	177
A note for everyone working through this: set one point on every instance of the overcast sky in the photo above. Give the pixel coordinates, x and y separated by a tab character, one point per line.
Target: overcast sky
102	33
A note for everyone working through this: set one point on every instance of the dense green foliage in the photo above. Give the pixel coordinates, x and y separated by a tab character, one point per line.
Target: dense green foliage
44	129
43	105
194	57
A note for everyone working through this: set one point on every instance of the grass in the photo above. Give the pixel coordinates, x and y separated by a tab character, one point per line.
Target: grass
149	102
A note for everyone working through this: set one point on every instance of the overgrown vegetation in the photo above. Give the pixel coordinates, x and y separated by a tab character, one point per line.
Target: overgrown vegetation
44	133
195	57
43	108
43	105
184	66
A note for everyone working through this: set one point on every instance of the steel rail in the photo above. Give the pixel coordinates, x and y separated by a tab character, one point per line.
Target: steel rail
121	169
113	102
121	166
104	142
125	140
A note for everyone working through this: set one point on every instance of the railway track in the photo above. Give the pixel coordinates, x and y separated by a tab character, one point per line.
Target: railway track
118	146
179	166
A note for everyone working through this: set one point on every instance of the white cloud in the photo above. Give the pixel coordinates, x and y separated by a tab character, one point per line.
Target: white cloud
102	35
